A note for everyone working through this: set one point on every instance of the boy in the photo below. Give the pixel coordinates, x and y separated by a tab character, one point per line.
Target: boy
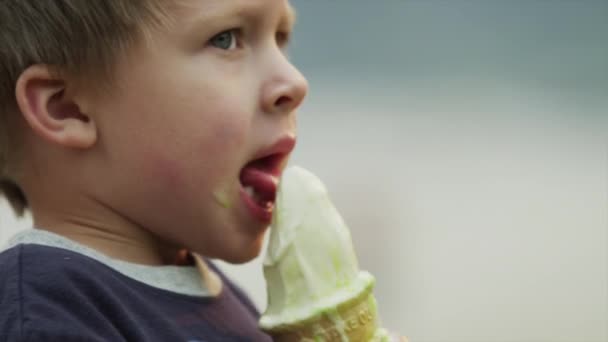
134	130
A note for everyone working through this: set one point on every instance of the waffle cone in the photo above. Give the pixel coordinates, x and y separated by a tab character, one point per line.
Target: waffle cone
355	320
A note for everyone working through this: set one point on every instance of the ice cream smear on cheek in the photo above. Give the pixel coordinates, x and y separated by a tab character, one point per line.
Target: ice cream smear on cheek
315	287
221	197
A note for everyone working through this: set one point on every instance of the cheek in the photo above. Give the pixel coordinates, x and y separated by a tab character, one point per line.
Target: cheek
167	172
228	136
164	178
204	160
192	139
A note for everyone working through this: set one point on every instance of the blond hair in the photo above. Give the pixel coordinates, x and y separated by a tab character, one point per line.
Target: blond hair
73	37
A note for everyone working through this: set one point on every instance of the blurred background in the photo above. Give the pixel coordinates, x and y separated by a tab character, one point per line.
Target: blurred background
466	144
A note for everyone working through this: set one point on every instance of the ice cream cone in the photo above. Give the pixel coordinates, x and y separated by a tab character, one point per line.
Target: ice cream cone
354	320
316	291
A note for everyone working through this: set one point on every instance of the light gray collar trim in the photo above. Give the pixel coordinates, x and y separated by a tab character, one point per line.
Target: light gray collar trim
179	279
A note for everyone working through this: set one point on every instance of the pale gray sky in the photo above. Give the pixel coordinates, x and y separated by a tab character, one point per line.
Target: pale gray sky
559	44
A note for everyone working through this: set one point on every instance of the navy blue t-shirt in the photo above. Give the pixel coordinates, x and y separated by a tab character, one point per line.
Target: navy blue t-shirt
53	294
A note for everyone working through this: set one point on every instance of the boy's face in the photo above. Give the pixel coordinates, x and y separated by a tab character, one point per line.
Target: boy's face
198	116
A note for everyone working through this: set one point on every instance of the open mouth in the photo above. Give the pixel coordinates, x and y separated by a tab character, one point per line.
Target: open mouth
260	179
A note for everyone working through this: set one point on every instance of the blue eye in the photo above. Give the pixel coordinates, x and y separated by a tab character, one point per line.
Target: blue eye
225	40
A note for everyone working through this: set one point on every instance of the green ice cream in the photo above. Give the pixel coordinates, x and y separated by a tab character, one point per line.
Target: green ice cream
310	266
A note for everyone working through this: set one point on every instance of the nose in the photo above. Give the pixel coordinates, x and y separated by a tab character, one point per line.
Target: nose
285	87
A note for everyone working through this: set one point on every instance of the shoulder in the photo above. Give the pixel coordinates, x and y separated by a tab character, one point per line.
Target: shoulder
41	286
10	313
48	268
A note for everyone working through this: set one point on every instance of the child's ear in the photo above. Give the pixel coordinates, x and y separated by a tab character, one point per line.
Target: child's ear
49	110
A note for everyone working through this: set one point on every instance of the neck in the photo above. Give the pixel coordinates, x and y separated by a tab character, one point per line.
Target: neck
60	204
120	239
100	228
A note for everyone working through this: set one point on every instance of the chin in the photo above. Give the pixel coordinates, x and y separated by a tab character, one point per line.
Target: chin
245	253
240	257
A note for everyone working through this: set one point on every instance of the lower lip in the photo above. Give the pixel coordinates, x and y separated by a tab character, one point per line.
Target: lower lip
261	214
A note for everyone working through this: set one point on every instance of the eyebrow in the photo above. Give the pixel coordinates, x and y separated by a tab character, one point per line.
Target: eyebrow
245	9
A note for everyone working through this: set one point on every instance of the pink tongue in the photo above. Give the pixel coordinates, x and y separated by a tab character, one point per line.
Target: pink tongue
264	184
